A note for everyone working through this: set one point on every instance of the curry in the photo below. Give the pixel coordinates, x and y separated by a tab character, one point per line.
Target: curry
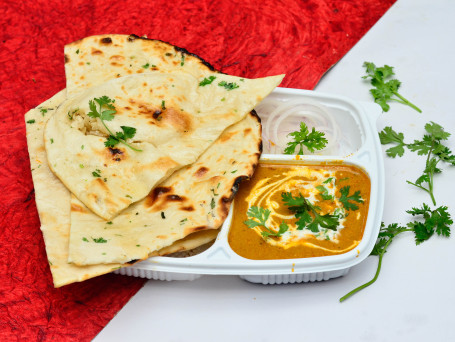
291	211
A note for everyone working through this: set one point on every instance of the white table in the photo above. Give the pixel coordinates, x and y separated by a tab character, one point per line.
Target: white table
414	299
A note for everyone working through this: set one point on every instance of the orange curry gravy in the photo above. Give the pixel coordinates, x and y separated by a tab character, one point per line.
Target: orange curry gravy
264	190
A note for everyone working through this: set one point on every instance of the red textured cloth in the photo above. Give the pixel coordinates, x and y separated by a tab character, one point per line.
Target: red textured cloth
246	38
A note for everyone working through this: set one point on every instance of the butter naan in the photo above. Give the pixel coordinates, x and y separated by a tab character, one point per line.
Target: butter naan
53	201
175	117
93	60
195	198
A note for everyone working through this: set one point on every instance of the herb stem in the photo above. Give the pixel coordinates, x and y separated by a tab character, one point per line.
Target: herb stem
378	270
407	102
121	140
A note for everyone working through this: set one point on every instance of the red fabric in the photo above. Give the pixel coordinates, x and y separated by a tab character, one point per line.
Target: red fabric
242	37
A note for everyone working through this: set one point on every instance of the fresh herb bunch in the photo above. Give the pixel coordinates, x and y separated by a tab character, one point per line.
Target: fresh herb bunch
108	115
434	221
430	145
313	140
385	91
262	215
302	208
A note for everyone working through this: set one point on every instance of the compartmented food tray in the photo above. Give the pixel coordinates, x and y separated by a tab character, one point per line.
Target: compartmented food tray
351	126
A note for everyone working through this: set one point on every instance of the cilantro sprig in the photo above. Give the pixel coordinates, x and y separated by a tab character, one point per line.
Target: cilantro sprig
437	221
262	215
385	91
108	115
307	213
431	145
313	140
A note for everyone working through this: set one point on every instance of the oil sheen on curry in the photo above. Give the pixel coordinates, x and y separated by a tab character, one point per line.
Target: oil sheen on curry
291	211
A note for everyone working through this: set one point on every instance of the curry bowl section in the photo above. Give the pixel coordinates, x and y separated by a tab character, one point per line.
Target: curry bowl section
291	210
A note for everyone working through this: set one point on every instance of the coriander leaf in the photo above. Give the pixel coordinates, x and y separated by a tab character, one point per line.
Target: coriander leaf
283	229
228	86
313	140
436	131
324	192
206	81
111	141
345	198
385	91
389	136
258	213
96	173
108	115
301	207
128	132
434	221
99	240
423	146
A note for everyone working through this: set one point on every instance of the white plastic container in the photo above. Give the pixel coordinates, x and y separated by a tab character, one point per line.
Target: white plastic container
361	147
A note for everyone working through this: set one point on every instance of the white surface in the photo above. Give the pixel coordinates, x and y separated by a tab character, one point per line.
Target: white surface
413	299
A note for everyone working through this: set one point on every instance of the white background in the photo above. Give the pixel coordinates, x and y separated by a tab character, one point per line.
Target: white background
413	299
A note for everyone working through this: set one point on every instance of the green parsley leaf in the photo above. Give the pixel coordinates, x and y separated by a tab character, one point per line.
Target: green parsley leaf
108	115
32	121
96	173
434	221
324	192
307	214
228	86
383	91
206	81
262	215
146	66
345	198
313	140
99	240
281	230
389	136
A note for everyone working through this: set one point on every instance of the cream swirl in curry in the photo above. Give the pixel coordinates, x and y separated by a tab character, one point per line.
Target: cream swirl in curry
338	194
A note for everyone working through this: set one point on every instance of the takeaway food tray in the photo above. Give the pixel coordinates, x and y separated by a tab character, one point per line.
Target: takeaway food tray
361	147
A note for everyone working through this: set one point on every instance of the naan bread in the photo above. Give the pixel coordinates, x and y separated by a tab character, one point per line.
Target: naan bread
190	118
53	201
195	198
94	60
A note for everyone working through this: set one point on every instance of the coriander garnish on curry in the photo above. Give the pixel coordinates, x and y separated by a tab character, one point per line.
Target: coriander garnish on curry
294	211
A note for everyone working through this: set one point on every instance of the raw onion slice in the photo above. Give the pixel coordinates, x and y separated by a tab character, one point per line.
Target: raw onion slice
279	118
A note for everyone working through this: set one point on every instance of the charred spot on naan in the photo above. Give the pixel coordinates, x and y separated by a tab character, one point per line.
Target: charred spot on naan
155	194
78	208
200	172
106	41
